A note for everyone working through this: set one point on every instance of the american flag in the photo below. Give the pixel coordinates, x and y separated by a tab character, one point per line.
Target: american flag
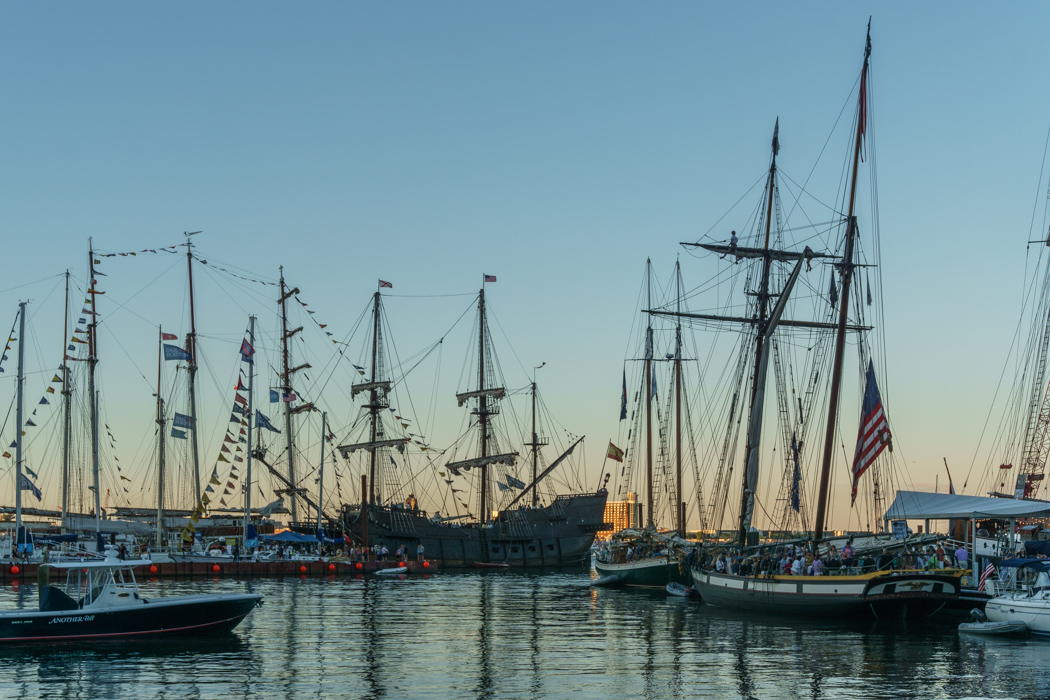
985	575
490	278
874	434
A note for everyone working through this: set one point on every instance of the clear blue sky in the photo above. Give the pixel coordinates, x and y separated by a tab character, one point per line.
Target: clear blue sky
554	145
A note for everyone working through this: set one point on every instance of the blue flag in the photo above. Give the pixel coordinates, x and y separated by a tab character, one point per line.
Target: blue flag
181	434
261	421
182	421
502	486
274	396
174	352
515	483
237	408
251	537
28	485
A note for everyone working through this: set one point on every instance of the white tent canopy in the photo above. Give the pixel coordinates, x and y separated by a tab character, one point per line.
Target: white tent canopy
919	505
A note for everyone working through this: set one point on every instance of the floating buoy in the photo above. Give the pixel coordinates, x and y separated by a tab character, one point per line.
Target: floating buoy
153	569
302	569
215	568
331	567
15	569
358	566
426	565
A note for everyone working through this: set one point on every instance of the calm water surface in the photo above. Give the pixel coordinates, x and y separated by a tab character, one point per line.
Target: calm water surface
516	635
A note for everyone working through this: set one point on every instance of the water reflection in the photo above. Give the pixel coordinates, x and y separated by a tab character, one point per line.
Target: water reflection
514	635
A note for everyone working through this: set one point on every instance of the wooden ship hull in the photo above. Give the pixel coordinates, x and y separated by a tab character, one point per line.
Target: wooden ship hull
560	534
647	573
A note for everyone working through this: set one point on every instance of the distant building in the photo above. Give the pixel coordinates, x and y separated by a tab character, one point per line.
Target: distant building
622	514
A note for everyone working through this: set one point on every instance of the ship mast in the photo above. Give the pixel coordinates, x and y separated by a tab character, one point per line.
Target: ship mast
483	413
67	411
373	401
320	485
160	441
191	348
679	500
286	390
20	420
847	266
750	480
93	395
536	443
251	408
649	396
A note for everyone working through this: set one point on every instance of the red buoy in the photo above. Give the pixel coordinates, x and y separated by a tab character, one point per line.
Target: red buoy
426	565
358	566
404	563
153	569
331	567
302	569
215	568
15	569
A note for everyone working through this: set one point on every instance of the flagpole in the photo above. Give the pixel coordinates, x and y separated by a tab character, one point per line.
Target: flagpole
92	393
320	487
191	347
19	419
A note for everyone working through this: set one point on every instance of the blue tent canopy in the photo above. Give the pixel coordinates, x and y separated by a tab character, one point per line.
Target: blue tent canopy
1037	547
289	536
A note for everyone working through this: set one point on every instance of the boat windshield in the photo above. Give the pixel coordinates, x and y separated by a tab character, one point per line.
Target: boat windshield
88	583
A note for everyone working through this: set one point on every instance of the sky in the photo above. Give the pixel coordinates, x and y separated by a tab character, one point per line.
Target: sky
555	146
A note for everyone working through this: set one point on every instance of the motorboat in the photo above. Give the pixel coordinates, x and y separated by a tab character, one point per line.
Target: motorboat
101	600
1029	604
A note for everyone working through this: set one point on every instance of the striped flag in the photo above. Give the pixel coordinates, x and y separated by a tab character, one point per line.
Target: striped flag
985	575
614	452
874	435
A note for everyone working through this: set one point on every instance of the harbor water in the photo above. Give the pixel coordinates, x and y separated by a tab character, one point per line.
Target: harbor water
511	634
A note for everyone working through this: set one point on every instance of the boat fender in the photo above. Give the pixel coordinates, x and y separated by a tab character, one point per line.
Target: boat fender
302	569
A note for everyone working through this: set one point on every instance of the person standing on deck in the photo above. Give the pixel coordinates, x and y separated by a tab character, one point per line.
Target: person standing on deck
419	552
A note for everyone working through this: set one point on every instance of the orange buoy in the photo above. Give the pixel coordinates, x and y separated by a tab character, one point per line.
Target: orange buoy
215	568
15	569
302	569
426	565
331	567
153	569
404	563
358	566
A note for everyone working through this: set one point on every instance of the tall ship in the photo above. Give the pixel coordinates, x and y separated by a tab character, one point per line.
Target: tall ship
511	523
807	358
643	556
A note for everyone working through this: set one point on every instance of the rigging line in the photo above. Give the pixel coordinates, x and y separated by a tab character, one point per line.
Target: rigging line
130	358
269	281
123	306
761	178
803	191
1039	187
849	100
28	284
429	296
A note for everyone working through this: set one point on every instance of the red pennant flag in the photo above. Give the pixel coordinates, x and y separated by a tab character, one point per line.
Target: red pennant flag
169	336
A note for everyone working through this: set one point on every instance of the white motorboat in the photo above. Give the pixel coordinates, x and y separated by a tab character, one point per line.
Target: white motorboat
1030	604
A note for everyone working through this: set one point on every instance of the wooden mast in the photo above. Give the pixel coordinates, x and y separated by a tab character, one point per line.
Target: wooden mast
191	348
19	418
748	486
847	276
483	413
160	441
251	408
649	397
93	395
67	418
373	401
320	486
285	393
679	500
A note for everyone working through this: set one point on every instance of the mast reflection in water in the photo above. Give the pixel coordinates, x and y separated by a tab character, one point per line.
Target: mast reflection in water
516	635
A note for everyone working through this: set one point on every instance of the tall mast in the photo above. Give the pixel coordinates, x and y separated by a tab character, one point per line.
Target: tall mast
536	443
320	485
286	372
248	475
750	478
483	412
191	348
92	394
847	276
373	400
19	417
160	440
679	501
649	396
67	411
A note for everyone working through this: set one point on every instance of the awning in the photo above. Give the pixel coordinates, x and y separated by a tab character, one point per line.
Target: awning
920	505
289	536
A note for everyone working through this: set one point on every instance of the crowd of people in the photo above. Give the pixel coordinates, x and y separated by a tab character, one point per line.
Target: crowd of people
800	560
